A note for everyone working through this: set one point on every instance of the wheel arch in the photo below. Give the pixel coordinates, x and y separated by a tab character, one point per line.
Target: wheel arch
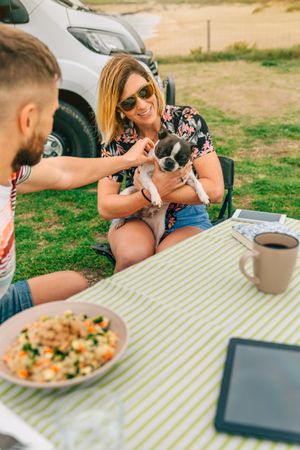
84	107
80	103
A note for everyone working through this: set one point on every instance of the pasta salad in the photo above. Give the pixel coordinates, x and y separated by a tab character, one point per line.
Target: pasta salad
61	347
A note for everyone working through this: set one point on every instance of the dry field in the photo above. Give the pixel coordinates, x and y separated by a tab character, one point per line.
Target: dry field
184	27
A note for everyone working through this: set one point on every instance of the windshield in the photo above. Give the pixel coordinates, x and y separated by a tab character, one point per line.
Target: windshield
74	4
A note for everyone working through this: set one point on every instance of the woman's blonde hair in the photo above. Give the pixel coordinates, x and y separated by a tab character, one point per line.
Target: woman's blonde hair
111	84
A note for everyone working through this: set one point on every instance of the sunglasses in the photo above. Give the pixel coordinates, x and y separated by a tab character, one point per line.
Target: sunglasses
130	102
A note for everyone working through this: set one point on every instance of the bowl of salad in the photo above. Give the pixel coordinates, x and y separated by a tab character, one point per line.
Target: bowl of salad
59	344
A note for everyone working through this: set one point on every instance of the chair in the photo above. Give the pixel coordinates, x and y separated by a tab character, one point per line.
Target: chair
169	85
227	164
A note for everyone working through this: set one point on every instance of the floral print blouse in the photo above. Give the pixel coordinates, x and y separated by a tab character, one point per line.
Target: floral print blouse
185	122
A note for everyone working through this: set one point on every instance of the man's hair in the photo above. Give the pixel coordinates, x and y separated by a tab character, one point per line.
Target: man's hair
111	84
25	60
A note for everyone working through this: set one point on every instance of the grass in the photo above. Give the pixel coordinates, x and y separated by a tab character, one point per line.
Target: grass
295	6
268	57
54	230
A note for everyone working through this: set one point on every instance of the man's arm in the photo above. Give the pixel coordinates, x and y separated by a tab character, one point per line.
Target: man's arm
65	172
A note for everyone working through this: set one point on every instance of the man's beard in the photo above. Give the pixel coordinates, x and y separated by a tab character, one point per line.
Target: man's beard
30	154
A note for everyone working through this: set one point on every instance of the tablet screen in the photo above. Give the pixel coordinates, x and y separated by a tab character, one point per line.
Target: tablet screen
260	393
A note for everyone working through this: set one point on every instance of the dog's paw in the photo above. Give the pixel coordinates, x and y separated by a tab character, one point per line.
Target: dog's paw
156	200
204	199
119	223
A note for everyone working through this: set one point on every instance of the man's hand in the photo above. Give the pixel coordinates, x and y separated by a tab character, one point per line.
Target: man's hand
137	155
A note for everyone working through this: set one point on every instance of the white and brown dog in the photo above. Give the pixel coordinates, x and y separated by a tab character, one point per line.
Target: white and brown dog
172	153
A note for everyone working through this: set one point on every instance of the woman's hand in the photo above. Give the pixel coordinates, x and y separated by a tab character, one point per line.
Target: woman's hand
137	155
167	182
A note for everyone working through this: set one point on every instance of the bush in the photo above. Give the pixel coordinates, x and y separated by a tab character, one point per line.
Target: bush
240	46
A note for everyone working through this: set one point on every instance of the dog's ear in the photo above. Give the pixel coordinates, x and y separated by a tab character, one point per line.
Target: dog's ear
163	132
189	147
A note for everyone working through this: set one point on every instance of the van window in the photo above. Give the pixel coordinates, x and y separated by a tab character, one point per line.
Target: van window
12	11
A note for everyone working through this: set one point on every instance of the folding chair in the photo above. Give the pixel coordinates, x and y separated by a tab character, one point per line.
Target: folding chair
227	164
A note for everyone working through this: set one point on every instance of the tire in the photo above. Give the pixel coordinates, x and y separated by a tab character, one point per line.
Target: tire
72	134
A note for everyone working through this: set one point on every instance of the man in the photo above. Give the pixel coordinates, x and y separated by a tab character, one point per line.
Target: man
29	76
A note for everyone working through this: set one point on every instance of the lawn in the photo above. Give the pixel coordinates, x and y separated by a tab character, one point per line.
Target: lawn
253	112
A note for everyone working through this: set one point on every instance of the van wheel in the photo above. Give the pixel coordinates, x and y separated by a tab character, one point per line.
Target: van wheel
72	134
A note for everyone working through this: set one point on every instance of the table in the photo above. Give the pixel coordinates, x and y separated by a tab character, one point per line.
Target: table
182	306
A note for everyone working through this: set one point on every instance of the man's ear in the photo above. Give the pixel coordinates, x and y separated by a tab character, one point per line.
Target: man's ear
28	119
163	132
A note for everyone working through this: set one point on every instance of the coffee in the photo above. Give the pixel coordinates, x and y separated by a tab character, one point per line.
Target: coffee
274	258
275	245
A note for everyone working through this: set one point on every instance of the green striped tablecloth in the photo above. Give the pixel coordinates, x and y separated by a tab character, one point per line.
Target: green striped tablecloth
182	306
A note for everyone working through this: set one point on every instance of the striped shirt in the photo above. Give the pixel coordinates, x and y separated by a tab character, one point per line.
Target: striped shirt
7	236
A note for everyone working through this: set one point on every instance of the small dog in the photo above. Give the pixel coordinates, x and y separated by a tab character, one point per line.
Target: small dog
172	153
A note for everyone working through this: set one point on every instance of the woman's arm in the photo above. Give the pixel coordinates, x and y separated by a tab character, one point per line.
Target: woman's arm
210	174
112	205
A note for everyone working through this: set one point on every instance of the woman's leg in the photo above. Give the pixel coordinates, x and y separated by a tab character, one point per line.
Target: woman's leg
131	243
189	221
177	236
56	286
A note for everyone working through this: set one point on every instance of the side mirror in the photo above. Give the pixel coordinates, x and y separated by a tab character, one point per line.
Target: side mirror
13	11
5	11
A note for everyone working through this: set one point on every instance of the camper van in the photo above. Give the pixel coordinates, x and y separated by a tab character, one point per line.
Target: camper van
82	41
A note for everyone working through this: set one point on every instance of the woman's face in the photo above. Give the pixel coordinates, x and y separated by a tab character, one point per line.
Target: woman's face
145	111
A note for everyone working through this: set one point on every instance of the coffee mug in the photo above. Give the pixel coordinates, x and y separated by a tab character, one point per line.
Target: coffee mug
274	258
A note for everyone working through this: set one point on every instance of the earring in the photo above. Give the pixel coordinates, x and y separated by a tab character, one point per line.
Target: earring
122	115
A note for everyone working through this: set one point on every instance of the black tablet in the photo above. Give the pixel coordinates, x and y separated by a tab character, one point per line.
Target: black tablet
260	391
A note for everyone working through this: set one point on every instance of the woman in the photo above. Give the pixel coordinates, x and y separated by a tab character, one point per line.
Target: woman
131	113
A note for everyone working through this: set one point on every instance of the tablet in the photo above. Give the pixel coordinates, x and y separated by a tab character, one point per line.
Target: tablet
246	215
260	391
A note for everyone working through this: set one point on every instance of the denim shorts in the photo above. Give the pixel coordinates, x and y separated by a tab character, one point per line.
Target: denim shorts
16	298
190	215
193	216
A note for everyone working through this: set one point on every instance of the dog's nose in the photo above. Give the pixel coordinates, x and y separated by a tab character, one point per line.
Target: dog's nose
169	164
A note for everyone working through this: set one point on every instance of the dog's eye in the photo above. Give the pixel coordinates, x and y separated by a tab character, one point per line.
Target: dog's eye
182	159
162	151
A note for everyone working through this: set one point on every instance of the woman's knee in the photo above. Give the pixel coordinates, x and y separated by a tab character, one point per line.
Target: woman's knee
132	256
131	244
177	236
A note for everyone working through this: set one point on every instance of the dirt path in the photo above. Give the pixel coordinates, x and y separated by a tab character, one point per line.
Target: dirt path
184	27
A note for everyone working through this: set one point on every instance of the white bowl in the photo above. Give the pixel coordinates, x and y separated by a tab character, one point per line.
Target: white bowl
10	330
